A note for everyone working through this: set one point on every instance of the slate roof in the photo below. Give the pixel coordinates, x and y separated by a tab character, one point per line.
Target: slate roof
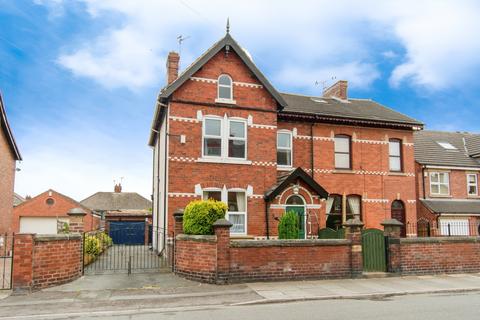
359	109
429	152
7	131
452	206
288	177
106	201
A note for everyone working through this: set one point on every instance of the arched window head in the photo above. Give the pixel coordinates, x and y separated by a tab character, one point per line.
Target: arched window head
295	200
225	87
397	204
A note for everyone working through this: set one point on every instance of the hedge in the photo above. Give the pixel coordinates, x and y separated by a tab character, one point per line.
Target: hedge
200	215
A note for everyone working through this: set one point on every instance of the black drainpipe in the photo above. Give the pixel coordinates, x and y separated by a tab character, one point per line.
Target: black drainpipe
423	181
311	149
266	219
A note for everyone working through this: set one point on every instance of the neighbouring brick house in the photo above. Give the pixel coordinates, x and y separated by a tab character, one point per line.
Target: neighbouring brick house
9	154
47	213
447	170
222	131
127	216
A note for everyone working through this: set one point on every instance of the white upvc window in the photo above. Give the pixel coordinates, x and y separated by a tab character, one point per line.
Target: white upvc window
342	152
284	149
224	138
472	186
395	155
439	183
225	88
236	201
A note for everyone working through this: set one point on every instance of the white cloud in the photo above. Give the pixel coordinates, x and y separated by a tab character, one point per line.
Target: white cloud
439	38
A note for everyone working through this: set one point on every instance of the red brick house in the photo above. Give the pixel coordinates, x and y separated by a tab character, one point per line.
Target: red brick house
9	155
222	131
47	213
447	170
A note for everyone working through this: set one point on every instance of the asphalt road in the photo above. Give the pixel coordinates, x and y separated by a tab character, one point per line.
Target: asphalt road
424	307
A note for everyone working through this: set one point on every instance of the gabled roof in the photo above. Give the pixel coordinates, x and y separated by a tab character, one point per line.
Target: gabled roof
105	201
353	109
7	131
428	151
17	199
283	181
453	206
204	58
73	201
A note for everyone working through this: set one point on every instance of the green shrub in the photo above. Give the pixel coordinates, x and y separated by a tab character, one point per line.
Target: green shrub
288	227
200	215
105	239
92	245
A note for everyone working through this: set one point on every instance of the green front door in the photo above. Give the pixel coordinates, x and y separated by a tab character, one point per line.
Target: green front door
300	211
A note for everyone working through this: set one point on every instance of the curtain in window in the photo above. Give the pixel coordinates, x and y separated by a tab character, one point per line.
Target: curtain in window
238	221
330	204
354	203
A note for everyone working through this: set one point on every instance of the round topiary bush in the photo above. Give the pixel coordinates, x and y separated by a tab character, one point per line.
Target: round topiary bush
288	227
200	215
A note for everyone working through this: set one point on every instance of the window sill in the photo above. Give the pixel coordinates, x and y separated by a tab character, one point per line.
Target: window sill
397	173
225	101
284	168
347	171
440	196
224	160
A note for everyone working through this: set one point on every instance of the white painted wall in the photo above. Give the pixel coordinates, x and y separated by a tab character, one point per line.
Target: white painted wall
41	225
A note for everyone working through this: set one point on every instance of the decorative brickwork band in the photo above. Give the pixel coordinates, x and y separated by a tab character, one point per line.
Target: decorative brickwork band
353	233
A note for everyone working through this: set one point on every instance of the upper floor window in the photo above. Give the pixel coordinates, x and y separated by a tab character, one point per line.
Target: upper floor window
225	138
342	152
472	184
439	183
395	154
284	149
225	91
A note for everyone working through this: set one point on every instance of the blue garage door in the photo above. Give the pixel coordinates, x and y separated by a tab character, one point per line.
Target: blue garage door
127	232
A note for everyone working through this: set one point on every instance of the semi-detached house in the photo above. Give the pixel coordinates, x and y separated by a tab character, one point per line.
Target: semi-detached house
222	131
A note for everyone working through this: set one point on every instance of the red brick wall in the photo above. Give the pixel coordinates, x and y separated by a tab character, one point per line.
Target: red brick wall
37	207
440	255
195	257
7	178
45	261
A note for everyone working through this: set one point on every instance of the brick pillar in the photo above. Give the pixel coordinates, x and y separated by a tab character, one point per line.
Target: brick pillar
221	227
353	232
178	217
77	216
392	230
22	277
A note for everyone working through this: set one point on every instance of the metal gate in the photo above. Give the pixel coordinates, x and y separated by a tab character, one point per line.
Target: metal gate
6	261
101	255
374	253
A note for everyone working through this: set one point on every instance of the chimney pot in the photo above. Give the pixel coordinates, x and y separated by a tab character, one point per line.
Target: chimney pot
173	60
117	188
337	90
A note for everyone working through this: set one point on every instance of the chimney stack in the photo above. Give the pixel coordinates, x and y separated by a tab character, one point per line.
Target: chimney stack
117	188
337	90
173	60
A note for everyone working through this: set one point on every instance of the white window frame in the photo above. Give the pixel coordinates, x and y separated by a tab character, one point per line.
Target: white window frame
399	156
472	184
224	196
225	137
219	99
290	133
349	153
440	183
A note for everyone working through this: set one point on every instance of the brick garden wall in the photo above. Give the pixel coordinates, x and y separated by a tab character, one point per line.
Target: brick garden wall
439	255
42	261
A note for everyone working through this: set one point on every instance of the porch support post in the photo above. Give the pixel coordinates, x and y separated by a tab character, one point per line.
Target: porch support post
392	229
353	232
344	208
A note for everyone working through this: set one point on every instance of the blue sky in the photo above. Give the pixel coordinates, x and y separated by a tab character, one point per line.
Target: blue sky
79	78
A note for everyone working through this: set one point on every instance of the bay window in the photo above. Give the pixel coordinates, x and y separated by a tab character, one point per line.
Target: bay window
224	138
284	149
439	183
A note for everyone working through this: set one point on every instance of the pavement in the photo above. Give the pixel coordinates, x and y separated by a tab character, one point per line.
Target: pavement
123	294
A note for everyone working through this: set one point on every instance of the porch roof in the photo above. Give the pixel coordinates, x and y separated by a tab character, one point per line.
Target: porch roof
286	179
453	206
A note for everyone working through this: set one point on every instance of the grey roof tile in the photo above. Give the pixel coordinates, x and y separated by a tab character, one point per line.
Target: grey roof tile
429	152
452	206
104	201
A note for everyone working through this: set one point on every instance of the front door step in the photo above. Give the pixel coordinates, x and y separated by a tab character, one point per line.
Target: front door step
370	275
